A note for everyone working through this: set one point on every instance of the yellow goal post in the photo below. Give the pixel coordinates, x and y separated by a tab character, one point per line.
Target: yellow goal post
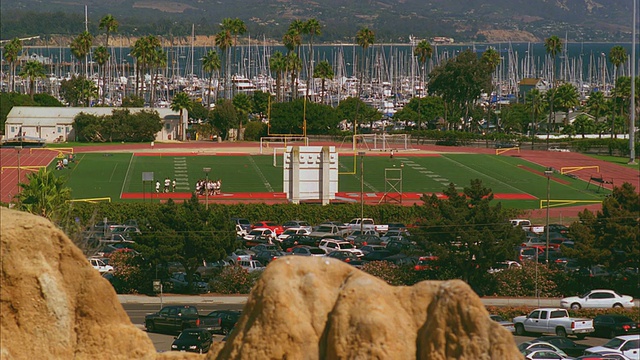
504	150
570	169
282	141
24	167
558	203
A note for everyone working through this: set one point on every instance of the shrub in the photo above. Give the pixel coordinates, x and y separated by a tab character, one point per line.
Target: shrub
391	273
522	281
234	280
128	275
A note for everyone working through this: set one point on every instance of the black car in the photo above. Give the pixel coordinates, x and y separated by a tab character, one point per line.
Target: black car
298	239
267	256
346	256
558	228
569	347
611	326
193	340
378	255
304	250
364	240
226	319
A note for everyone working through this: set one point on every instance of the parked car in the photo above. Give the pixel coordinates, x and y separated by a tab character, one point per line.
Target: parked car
558	149
530	254
627	345
295	240
173	318
266	247
220	321
193	340
100	265
391	234
538	345
243	223
260	232
346	256
364	240
293	231
251	265
209	269
504	322
558	228
398	244
598	299
426	263
179	283
239	255
267	256
613	325
544	355
378	255
276	228
504	265
569	347
366	249
297	224
324	230
603	356
396	226
304	250
550	320
334	245
355	233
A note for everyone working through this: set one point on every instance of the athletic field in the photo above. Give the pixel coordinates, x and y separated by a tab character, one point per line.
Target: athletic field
516	182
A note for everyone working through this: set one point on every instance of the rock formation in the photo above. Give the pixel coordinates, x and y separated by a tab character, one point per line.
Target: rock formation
318	308
54	305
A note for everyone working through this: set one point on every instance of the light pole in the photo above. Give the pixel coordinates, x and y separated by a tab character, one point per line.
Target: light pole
206	186
19	148
548	174
361	154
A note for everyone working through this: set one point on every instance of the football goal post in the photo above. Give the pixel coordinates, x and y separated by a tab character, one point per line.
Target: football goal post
382	142
282	142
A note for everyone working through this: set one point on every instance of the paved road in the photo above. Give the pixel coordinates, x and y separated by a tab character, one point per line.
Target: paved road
138	306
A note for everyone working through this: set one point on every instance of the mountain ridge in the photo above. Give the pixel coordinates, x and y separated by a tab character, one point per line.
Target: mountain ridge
391	20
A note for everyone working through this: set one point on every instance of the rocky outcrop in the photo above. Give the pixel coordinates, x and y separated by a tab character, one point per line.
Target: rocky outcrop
54	305
316	308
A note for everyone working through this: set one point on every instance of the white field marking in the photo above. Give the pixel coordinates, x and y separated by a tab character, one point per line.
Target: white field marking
358	177
126	176
518	191
262	177
113	172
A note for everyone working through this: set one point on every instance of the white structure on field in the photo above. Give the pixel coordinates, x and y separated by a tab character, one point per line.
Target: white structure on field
310	173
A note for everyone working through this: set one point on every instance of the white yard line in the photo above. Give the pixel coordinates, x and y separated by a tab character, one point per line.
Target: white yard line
262	177
126	176
485	175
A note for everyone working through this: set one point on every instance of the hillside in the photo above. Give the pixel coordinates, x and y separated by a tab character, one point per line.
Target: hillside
392	20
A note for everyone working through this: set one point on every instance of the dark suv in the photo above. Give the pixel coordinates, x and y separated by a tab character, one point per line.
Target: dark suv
221	321
244	223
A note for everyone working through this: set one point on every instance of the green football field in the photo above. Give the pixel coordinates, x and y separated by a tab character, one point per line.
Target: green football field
95	175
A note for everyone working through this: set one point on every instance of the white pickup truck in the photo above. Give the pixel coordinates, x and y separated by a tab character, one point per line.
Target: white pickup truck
366	224
553	320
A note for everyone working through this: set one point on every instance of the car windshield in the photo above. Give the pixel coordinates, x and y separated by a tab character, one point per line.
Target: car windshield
195	335
346	246
289	232
271	224
317	251
256	232
614	343
324	229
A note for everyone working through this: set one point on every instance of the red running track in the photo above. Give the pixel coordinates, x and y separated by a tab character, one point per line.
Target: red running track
9	177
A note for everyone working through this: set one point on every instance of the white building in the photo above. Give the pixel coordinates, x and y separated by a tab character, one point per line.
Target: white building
55	124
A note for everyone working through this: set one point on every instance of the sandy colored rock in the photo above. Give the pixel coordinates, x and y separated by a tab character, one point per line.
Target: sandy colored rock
317	308
54	305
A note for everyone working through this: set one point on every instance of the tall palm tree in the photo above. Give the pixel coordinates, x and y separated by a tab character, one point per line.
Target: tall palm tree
620	97
312	28
617	56
12	50
242	103
44	194
596	105
144	50
423	52
157	61
80	47
535	105
102	57
211	63
552	45
180	103
32	70
235	27
567	98
291	40
109	24
323	71
224	42
365	37
294	65
278	64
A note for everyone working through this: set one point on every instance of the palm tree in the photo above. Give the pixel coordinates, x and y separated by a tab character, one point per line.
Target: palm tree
235	27
552	45
11	52
211	63
102	57
620	97
80	47
278	64
567	98
596	105
312	28
224	42
291	40
242	104
43	194
424	52
323	71
617	56
157	61
364	38
584	124
144	50
32	70
534	103
180	103
294	64
109	24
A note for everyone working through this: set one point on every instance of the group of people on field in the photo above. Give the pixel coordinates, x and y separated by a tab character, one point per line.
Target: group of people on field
208	187
168	184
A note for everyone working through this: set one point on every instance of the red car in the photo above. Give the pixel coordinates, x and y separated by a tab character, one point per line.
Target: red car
269	225
424	263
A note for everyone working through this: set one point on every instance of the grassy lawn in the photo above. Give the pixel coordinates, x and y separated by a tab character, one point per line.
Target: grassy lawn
624	161
100	175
